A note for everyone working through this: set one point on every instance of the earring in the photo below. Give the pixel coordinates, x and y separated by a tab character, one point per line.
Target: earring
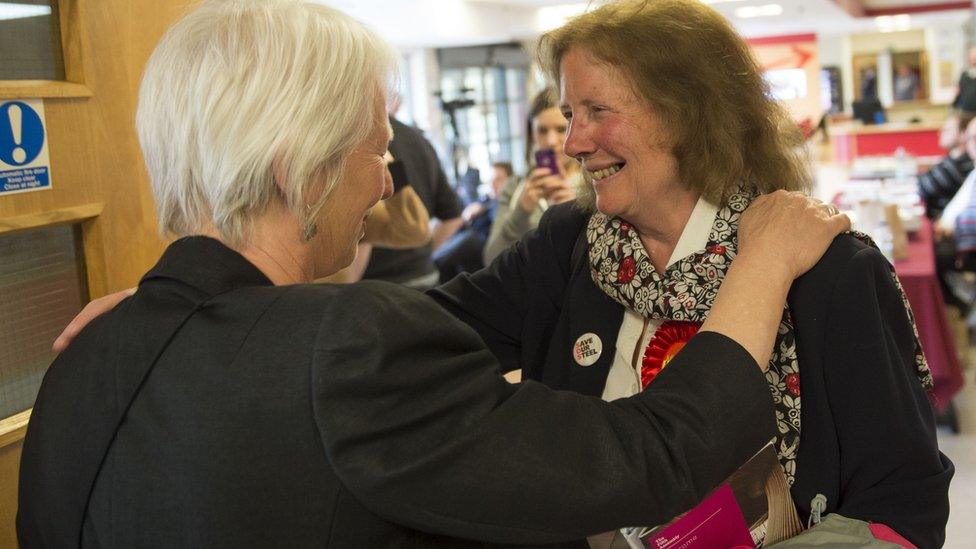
311	229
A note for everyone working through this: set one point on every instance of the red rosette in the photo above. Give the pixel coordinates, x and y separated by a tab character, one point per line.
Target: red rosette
627	270
793	384
669	338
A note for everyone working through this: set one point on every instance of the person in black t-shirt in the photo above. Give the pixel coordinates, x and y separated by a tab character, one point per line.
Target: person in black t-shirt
966	96
414	267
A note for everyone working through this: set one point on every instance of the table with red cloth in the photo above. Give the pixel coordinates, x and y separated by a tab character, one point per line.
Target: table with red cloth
917	275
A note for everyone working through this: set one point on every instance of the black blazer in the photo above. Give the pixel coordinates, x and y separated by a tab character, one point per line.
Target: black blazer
213	409
867	437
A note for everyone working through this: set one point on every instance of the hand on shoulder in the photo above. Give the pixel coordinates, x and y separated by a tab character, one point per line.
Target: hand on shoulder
789	230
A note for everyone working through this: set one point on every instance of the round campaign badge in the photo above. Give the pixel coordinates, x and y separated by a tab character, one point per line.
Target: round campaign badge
587	349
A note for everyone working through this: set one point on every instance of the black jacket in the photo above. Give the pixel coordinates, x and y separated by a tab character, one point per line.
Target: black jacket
867	431
212	409
940	184
966	96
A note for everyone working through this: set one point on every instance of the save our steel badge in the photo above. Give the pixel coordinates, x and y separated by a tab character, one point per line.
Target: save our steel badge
587	349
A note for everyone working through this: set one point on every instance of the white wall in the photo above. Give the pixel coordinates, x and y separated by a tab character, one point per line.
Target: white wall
835	51
946	46
943	39
423	79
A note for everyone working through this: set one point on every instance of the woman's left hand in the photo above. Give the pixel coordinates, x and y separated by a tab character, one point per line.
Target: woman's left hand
789	229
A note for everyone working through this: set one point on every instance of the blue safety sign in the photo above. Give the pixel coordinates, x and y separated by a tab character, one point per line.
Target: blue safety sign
24	159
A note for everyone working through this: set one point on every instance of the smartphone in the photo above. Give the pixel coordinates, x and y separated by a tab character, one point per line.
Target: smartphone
546	158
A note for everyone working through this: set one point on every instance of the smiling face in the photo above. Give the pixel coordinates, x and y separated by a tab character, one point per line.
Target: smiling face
365	181
623	146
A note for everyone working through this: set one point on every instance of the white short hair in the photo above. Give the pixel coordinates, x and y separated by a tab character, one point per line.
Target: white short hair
239	90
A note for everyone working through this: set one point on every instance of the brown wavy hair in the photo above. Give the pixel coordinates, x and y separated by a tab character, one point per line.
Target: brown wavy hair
699	76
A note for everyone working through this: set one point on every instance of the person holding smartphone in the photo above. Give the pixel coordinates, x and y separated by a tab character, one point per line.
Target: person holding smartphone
552	180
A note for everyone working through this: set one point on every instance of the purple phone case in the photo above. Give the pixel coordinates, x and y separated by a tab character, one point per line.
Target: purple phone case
546	158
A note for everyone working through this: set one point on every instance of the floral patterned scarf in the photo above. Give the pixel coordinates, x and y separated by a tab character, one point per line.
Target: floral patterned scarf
620	266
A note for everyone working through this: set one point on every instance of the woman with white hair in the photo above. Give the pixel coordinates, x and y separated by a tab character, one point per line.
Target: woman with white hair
229	404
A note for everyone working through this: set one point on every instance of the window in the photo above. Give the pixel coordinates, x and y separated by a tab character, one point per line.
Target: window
787	84
42	287
30	41
487	87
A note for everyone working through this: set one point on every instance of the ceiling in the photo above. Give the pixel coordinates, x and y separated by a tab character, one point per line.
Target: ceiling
867	4
441	23
877	4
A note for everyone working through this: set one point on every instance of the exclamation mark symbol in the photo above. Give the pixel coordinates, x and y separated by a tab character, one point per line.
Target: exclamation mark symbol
16	120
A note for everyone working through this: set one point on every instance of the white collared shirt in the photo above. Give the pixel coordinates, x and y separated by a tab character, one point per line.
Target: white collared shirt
624	378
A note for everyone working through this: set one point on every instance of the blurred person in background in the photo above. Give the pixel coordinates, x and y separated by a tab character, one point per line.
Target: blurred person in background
939	184
480	215
501	174
869	84
676	131
966	96
523	201
965	224
414	267
229	403
956	228
464	251
906	83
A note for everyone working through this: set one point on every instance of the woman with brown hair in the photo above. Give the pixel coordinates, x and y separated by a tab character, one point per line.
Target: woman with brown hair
677	134
523	200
